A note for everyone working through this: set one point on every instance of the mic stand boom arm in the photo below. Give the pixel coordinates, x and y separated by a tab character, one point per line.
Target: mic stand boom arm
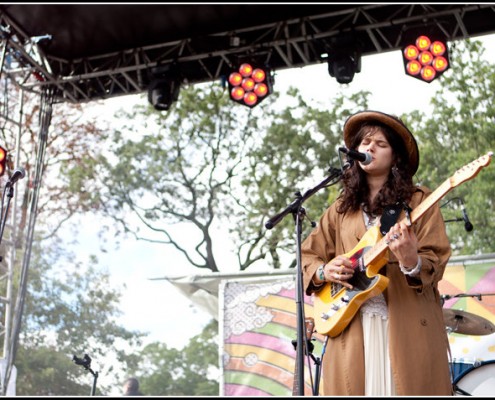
295	208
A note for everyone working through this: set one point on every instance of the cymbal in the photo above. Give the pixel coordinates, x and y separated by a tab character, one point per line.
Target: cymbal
463	322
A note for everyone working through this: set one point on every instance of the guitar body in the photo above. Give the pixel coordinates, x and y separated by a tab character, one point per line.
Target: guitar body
335	305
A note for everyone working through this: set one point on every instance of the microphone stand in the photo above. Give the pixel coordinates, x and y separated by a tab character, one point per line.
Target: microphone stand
298	212
9	189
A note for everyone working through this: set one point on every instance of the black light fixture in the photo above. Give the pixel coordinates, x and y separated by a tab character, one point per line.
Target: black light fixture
164	87
162	93
344	58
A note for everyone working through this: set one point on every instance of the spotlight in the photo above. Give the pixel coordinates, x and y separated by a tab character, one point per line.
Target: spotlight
427	58
250	84
163	92
344	57
164	86
343	66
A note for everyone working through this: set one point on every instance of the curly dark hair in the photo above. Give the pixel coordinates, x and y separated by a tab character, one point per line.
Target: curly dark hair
398	188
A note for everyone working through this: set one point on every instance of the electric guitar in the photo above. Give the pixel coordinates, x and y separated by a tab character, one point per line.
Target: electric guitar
335	305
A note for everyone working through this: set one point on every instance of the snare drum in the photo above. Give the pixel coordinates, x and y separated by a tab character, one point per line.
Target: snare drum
479	380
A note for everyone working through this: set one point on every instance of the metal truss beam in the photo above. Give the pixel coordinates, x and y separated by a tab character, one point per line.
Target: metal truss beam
284	44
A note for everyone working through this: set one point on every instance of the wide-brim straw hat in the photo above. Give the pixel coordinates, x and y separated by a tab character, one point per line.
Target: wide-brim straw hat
355	121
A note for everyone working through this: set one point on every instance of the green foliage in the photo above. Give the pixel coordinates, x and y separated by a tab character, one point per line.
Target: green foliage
459	129
47	371
192	371
69	310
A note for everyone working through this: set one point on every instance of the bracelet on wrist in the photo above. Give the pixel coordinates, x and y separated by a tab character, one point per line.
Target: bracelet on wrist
321	273
411	271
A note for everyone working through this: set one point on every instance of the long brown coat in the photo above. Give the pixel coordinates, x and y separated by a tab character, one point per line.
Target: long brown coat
418	340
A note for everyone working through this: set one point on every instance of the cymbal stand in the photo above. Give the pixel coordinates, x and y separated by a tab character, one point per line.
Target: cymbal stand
452	296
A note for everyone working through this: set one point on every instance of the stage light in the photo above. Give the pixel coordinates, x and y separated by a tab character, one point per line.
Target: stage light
343	65
427	58
164	86
343	54
3	160
163	92
250	84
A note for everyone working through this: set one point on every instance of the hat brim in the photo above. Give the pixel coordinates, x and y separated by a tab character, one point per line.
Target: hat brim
354	122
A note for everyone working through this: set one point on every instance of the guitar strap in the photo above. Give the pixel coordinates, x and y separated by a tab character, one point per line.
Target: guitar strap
391	214
389	217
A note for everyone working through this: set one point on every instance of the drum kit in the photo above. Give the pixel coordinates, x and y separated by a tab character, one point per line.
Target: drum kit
475	378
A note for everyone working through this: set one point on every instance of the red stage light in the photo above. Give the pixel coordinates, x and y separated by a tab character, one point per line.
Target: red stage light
261	89
246	70
235	78
428	73
237	93
425	59
259	75
3	160
438	48
413	67
440	63
249	84
423	42
250	99
411	52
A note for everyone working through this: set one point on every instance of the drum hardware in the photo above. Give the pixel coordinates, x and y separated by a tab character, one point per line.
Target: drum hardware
479	380
452	296
466	323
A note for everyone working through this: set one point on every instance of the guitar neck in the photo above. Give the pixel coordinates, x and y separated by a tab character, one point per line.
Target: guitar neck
432	199
415	215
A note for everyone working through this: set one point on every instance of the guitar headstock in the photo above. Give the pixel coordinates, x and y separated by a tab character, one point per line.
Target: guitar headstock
470	170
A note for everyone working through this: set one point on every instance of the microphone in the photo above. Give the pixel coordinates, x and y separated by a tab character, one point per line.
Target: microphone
363	158
468	226
19	173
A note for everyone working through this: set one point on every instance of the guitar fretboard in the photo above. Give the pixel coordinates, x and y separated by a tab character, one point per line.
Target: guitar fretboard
415	214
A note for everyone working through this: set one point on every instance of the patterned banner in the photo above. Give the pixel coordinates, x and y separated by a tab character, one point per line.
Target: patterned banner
259	327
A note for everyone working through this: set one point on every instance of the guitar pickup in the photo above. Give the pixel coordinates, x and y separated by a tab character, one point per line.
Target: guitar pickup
334	307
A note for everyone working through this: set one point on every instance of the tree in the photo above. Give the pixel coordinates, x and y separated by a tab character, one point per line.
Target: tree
459	129
70	310
65	312
180	170
191	371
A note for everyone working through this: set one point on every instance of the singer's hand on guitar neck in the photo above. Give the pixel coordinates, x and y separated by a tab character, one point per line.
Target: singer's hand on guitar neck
339	270
402	241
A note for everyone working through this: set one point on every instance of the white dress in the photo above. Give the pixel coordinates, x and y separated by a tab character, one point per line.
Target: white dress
374	317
